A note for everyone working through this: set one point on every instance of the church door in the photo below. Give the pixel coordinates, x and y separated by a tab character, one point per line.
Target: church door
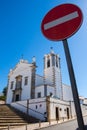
67	112
17	97
57	113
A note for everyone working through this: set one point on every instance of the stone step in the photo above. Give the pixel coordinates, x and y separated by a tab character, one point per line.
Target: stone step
13	114
12	121
3	114
8	112
3	127
11	124
10	118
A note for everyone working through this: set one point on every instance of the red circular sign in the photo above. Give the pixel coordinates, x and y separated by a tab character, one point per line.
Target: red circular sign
61	22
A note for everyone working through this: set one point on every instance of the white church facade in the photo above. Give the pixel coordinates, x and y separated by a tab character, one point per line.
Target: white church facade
44	97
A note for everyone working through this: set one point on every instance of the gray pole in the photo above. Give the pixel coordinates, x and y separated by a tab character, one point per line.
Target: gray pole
73	86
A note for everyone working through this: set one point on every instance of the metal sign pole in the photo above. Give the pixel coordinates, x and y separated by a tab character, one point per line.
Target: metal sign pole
73	86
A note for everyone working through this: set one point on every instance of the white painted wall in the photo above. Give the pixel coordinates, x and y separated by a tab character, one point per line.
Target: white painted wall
37	107
48	74
38	80
85	101
50	89
10	91
67	93
62	105
84	109
22	68
58	83
39	89
73	113
41	107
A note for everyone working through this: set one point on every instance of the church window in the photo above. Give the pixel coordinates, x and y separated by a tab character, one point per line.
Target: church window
26	81
48	63
18	82
56	62
36	106
53	60
17	97
12	83
59	63
60	109
51	94
39	94
40	105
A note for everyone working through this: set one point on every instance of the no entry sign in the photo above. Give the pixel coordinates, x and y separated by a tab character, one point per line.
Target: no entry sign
61	22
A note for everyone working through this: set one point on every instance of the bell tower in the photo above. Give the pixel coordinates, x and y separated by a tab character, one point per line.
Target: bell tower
52	72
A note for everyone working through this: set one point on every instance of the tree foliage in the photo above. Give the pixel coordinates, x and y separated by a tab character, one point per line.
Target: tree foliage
2	98
4	90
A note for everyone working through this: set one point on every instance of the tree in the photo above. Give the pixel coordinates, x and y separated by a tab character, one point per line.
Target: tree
4	90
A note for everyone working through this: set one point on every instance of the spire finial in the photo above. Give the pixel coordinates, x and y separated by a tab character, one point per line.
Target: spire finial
51	48
33	59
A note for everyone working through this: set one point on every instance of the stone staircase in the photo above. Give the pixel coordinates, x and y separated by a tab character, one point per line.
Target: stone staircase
12	117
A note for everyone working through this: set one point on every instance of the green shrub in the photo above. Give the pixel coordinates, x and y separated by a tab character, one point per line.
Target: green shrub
2	98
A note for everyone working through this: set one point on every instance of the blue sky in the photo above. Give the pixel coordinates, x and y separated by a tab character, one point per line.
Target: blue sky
20	33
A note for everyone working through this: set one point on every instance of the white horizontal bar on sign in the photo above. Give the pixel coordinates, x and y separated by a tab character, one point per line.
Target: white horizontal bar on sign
61	20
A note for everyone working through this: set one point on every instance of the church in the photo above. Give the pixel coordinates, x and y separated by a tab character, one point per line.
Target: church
44	97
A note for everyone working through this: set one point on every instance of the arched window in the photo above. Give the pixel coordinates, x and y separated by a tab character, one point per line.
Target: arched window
48	63
56	62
